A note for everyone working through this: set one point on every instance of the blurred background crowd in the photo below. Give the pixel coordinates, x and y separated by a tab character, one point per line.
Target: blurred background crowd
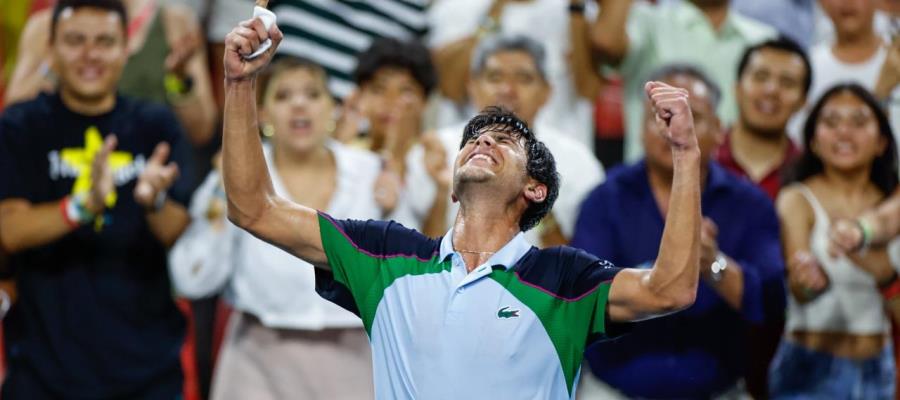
122	278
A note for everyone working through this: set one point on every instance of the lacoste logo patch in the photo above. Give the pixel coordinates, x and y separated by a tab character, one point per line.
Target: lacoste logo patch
506	313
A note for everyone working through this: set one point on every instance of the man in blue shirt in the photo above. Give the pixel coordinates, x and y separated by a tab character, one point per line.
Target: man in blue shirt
696	353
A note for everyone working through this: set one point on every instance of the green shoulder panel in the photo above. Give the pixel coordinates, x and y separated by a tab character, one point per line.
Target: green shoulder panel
367	275
568	322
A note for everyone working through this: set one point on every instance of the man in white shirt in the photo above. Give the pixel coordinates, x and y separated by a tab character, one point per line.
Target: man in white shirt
456	28
511	71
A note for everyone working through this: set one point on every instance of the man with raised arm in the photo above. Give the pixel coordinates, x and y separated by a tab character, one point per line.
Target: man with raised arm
481	296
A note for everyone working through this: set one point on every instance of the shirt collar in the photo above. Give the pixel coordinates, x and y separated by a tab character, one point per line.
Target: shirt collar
507	256
689	14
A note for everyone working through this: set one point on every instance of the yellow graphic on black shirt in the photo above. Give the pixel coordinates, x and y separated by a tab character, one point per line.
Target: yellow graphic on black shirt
82	159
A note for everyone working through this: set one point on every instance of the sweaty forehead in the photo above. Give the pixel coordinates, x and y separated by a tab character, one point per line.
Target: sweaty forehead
496	130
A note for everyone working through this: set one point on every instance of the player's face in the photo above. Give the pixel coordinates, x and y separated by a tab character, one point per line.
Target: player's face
493	156
847	136
391	94
771	90
88	52
297	104
706	124
510	79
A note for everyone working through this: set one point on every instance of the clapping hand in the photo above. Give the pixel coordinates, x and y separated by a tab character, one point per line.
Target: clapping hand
156	178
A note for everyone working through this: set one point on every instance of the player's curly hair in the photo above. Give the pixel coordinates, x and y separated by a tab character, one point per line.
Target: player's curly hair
540	164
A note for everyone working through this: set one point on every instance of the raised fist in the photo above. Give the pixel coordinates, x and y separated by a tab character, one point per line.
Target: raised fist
673	114
243	41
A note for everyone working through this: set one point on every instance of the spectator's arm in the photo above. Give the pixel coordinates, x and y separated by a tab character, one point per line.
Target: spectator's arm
202	259
453	60
889	77
806	280
882	223
24	225
168	223
187	58
609	35
585	72
30	72
438	167
755	269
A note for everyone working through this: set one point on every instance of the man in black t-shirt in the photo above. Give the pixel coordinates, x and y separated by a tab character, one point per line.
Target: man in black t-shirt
88	205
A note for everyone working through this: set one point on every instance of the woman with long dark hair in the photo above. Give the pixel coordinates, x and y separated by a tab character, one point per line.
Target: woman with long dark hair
837	342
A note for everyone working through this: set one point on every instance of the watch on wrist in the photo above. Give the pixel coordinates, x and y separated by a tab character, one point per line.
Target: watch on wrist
717	268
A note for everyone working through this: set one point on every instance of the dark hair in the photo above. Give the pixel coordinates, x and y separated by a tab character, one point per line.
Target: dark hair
501	43
884	167
689	70
389	52
540	164
782	43
115	6
283	64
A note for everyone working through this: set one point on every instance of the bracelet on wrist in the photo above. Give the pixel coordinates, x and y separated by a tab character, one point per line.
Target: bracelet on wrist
158	202
177	88
866	230
890	288
74	210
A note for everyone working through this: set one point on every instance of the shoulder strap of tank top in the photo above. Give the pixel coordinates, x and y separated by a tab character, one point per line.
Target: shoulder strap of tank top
821	215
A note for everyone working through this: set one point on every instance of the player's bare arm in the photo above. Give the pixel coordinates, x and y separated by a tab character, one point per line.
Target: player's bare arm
671	284
252	202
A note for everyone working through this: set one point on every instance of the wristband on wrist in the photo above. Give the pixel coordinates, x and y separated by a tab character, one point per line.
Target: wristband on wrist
866	229
177	88
891	288
159	202
74	211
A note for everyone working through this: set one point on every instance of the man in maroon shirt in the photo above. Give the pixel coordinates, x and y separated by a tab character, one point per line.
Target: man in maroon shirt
773	79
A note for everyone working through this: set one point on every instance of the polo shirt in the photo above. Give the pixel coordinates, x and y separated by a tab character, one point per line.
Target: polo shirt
771	183
681	33
513	328
700	351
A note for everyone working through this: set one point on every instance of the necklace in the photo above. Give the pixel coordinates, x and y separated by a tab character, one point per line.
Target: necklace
475	252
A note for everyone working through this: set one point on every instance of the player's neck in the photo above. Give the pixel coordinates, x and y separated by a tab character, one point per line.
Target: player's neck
87	107
483	228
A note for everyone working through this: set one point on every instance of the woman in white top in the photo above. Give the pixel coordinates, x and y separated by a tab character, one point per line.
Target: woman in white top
283	341
837	342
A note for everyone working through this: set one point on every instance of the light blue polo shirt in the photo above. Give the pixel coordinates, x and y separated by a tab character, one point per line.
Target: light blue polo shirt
513	328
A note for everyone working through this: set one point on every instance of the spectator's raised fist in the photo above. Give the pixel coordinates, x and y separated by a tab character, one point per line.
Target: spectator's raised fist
673	114
243	41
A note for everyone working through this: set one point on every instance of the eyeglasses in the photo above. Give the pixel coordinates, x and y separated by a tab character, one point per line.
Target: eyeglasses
854	118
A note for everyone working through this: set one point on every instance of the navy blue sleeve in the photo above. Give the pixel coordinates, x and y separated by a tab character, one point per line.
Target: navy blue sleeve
760	257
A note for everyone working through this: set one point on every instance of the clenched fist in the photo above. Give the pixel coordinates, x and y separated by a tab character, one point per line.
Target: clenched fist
673	114
243	41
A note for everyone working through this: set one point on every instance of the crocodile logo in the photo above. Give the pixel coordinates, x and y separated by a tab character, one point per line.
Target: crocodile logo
505	313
